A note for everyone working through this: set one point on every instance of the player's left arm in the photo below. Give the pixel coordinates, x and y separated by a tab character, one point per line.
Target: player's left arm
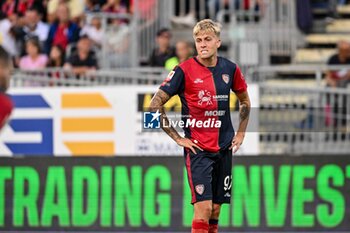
244	111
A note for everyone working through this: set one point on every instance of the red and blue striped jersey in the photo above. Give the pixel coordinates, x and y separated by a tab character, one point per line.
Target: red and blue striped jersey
205	97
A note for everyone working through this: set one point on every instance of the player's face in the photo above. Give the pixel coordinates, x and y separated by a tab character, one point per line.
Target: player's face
207	44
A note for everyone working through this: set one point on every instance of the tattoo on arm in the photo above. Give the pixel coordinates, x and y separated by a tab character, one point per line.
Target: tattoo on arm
157	103
244	112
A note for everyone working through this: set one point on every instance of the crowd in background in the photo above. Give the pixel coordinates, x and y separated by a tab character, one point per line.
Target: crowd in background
55	33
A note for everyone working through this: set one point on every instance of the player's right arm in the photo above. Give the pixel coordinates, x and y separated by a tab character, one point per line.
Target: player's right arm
157	104
172	85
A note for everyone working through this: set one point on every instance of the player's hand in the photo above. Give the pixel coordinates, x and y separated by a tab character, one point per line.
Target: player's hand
187	143
237	142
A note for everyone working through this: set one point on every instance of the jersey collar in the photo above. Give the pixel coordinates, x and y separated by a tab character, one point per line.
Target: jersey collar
217	61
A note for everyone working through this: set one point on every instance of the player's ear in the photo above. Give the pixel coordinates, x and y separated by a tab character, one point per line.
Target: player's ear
218	43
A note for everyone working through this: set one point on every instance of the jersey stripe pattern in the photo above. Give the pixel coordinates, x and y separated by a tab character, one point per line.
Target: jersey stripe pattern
205	96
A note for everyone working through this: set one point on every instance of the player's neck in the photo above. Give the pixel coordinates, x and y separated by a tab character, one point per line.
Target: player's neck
208	62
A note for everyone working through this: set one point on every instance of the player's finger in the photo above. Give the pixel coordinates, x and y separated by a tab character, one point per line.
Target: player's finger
194	143
232	144
235	148
198	147
192	149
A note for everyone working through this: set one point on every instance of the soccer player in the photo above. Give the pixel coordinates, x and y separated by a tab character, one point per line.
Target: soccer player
5	102
203	84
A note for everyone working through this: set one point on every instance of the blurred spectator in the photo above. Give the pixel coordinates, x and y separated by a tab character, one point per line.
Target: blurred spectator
118	56
92	6
163	51
63	31
145	9
183	52
114	6
339	78
94	31
7	38
10	7
56	57
34	59
83	60
17	32
304	15
34	26
332	8
76	8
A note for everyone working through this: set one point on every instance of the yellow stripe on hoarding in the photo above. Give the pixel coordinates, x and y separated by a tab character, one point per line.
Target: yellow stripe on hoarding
91	148
84	100
88	124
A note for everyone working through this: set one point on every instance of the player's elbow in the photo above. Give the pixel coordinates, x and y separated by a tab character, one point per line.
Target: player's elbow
153	108
158	100
245	102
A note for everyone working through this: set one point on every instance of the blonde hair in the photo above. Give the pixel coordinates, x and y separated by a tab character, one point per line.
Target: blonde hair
207	25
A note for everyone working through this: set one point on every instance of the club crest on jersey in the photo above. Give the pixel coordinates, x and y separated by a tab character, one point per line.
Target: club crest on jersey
226	78
170	76
204	97
200	189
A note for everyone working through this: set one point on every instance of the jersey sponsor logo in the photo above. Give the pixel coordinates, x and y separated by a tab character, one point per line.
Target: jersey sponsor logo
220	97
200	189
198	80
226	78
204	97
215	113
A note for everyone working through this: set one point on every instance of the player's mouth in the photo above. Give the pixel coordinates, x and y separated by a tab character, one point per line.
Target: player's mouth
204	51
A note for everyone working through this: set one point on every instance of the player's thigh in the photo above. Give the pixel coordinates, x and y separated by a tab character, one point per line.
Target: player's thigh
222	178
199	173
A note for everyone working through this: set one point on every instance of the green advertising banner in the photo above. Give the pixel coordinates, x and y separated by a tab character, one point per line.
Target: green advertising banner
270	194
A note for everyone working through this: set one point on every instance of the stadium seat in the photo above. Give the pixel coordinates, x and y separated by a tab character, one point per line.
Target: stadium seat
313	56
338	26
326	38
344	10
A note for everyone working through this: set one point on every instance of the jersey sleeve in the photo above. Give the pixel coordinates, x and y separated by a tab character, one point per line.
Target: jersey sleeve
174	83
239	84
